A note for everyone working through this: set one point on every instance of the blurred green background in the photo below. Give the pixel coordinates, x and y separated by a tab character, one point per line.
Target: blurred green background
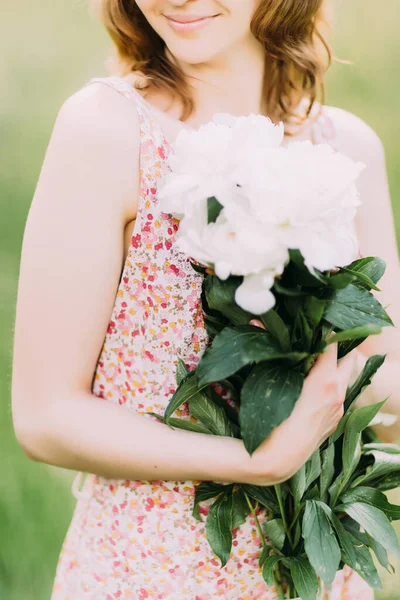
47	51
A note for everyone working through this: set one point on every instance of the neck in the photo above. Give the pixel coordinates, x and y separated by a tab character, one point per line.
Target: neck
231	84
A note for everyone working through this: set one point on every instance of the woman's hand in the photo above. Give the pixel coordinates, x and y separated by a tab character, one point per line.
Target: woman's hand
321	404
314	417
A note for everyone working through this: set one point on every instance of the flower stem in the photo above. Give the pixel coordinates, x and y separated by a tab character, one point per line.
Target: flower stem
277	577
253	512
291	591
282	509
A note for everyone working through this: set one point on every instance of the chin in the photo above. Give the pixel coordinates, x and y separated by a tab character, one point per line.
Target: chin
192	53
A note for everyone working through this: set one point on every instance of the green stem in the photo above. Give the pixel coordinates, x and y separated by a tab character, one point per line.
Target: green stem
253	512
281	508
277	577
278	581
296	516
292	591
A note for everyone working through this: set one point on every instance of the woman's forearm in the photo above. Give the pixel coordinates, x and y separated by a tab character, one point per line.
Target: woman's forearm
385	384
84	433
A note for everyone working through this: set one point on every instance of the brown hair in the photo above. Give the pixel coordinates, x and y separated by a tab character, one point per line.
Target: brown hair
288	30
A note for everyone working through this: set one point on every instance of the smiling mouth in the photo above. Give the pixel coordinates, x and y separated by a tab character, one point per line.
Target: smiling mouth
189	23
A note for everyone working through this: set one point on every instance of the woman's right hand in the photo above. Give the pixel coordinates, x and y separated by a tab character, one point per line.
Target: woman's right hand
321	404
314	418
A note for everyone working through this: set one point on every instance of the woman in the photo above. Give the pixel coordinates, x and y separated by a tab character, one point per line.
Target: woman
107	304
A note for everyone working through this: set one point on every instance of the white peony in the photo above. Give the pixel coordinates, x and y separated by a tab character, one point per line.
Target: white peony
211	161
273	199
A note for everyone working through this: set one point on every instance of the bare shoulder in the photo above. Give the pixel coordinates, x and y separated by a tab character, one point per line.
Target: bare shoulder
356	138
100	109
101	124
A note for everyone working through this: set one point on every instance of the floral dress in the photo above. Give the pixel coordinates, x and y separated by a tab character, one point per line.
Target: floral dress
138	539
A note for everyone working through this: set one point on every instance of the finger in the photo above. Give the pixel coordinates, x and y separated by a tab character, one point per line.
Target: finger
327	360
257	323
345	370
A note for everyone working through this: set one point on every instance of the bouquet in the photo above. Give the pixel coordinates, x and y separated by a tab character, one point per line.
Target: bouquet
271	229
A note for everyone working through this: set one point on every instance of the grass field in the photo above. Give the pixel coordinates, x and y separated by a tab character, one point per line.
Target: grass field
48	50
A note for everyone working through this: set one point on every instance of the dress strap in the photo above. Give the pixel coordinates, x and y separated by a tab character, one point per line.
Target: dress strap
148	125
77	484
121	85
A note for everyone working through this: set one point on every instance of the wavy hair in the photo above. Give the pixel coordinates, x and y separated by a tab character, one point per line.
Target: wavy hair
297	55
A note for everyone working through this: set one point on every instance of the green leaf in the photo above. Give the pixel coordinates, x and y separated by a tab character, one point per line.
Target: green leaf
235	348
290	292
373	497
341	280
264	555
218	527
181	371
231	412
240	508
320	542
212	416
364	379
204	491
346	347
275	531
380	552
344	537
212	327
304	578
188	389
213	209
375	523
265	495
385	466
312	493
390	482
362	331
268	568
188	425
297	533
353	306
277	328
298	486
364	566
363	280
314	309
353	528
370	266
337	487
220	296
302	333
357	422
327	470
268	398
313	468
389	448
339	429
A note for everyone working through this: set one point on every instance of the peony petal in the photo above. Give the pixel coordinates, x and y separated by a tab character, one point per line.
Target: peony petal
254	296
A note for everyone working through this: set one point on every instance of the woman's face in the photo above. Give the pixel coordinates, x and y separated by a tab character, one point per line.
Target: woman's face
198	31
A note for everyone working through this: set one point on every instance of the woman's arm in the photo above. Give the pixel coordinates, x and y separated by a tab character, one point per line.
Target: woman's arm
70	267
376	232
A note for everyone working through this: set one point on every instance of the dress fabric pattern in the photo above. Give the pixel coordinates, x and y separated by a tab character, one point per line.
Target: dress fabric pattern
138	539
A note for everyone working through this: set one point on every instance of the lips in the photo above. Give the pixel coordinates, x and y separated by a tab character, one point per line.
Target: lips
188	23
189	18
